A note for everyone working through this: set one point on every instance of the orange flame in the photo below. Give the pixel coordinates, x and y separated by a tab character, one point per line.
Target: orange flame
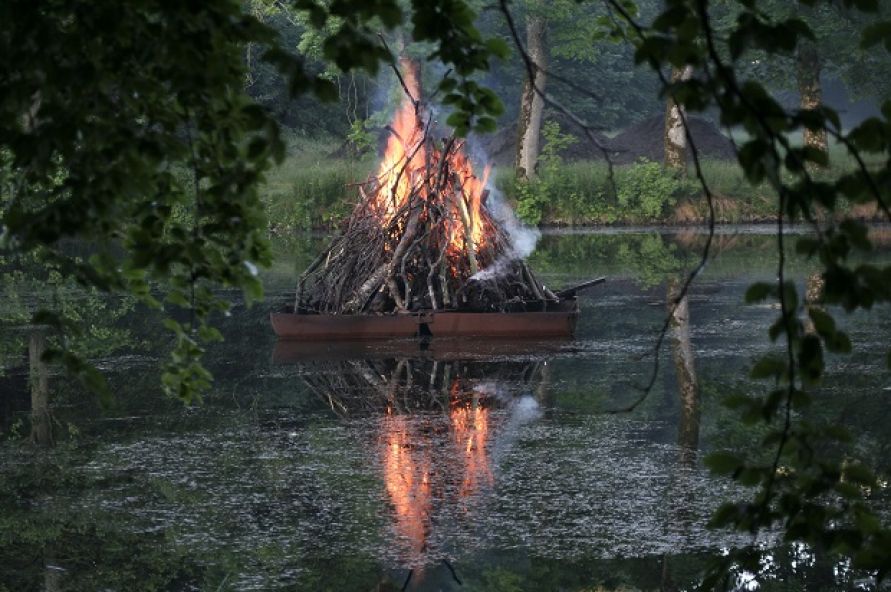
406	170
405	156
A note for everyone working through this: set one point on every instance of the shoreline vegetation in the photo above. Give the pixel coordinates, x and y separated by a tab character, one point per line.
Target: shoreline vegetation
314	190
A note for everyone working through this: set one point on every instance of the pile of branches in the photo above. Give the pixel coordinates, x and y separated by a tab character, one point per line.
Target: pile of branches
417	251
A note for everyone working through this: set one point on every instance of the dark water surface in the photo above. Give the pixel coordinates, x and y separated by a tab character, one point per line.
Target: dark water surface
466	466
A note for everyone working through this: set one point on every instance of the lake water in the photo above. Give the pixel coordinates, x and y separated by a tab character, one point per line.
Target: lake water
462	466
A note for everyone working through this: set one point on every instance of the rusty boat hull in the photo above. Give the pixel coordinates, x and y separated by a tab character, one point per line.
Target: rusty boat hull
556	321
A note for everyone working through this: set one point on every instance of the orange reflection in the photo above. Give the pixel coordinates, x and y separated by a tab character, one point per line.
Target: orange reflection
419	474
408	483
470	426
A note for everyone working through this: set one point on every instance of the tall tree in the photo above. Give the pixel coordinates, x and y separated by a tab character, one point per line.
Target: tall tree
532	101
808	68
675	136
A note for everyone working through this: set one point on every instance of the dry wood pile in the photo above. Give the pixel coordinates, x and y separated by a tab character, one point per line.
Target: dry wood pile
420	237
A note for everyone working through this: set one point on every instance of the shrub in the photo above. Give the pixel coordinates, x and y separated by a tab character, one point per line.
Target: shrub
649	191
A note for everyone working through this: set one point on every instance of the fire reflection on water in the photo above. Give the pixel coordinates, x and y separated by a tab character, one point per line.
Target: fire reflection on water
407	477
420	469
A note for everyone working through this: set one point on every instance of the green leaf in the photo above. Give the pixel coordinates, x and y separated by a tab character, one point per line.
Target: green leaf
806	246
839	343
823	321
723	463
485	125
209	334
498	47
727	514
874	34
758	292
770	366
870	6
448	85
810	359
325	89
859	474
459	121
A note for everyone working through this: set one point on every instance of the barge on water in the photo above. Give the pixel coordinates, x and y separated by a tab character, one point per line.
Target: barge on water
527	320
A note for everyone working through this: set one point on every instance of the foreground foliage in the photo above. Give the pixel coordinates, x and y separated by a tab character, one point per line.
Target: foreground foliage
816	498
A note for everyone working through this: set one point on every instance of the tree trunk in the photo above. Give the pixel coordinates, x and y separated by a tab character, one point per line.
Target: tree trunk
675	136
532	102
813	299
685	371
41	422
807	70
411	74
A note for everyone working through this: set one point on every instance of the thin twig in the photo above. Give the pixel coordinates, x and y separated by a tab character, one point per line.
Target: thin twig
416	102
452	570
706	250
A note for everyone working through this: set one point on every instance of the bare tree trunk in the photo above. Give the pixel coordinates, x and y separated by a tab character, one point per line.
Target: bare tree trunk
685	370
675	136
807	70
813	299
531	101
411	74
41	422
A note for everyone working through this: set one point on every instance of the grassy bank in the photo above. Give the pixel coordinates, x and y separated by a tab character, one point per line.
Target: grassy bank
311	189
584	193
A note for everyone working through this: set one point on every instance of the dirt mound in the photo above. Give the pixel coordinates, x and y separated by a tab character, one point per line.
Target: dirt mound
641	140
501	146
645	140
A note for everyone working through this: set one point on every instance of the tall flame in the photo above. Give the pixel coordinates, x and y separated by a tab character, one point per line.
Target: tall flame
406	155
408	168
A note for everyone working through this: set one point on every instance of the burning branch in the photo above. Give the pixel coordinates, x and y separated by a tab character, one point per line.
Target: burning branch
419	235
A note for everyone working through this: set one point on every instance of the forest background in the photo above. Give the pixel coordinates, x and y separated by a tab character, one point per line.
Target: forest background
332	145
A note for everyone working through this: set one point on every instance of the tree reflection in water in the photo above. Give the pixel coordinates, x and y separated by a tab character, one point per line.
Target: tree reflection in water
41	419
685	371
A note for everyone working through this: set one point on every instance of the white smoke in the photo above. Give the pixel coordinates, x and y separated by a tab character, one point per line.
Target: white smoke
522	238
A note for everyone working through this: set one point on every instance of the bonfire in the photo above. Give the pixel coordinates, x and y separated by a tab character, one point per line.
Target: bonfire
421	236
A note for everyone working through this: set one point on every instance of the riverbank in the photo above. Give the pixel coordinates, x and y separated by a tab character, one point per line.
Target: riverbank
313	190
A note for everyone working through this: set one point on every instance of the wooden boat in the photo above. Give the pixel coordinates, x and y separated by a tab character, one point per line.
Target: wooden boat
525	320
554	320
